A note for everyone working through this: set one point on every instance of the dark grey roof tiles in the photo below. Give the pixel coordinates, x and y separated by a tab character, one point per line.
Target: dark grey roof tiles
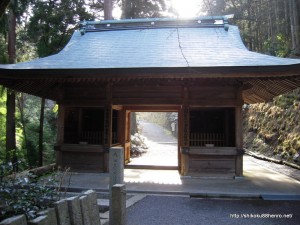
162	47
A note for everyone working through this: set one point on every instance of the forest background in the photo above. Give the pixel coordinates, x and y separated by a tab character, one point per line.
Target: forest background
38	28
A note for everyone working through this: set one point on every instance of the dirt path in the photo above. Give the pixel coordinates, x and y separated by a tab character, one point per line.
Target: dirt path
163	147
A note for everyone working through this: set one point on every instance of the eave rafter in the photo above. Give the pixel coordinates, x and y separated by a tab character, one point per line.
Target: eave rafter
261	84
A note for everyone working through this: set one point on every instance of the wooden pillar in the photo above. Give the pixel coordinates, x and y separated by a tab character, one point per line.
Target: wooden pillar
107	131
126	134
239	134
60	133
79	129
185	132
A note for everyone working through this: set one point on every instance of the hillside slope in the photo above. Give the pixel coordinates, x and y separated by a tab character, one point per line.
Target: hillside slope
273	129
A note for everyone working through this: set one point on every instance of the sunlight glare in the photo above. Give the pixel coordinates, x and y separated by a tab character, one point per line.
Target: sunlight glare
187	8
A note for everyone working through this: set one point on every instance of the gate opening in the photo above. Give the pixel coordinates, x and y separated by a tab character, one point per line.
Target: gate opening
154	140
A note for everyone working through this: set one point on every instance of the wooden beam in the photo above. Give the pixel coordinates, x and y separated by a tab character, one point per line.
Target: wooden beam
239	134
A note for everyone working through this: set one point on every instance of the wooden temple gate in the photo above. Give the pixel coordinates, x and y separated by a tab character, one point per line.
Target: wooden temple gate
197	67
209	134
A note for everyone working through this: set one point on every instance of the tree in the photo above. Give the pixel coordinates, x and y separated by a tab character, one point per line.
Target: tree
266	26
142	8
10	101
53	23
2	124
294	6
3	5
41	131
108	5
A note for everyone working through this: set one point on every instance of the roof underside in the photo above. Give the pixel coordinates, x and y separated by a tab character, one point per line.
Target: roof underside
145	49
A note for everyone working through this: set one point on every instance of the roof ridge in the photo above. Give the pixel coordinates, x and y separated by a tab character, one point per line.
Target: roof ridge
152	23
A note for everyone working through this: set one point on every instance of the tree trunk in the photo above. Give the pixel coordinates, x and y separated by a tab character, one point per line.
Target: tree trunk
133	123
41	132
286	18
12	34
108	9
11	128
291	5
20	101
296	27
11	96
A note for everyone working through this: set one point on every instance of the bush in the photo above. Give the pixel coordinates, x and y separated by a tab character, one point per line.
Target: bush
24	194
138	146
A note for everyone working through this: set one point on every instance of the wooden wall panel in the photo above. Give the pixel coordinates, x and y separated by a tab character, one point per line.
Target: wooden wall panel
81	161
212	164
84	96
146	95
212	96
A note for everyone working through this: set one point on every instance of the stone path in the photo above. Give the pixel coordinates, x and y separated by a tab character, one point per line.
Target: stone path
163	147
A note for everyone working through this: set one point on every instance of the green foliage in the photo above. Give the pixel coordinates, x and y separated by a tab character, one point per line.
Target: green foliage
3	53
277	46
2	123
142	8
30	144
53	23
24	194
265	25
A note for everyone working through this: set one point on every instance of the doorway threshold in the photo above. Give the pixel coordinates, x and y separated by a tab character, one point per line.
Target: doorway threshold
151	167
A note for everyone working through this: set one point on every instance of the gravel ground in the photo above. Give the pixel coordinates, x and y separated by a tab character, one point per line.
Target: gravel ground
170	210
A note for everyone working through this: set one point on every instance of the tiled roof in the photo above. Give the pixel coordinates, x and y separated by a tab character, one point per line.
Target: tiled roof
146	47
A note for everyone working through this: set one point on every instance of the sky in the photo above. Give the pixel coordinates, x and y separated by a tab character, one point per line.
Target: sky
185	8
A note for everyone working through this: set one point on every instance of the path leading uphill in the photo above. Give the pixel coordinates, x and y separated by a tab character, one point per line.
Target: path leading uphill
163	147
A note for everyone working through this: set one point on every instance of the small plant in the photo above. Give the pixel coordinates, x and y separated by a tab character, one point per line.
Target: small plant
138	145
24	193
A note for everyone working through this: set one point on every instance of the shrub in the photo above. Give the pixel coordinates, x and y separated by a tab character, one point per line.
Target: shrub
24	194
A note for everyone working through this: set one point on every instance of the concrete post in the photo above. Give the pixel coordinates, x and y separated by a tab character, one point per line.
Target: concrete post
16	220
41	220
116	166
93	207
116	170
62	213
74	210
117	211
51	216
85	210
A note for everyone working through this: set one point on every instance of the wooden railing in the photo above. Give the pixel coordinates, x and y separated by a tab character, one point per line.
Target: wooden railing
92	137
96	137
204	139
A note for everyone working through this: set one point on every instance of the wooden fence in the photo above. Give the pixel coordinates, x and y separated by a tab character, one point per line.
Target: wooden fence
92	137
78	210
96	138
202	139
